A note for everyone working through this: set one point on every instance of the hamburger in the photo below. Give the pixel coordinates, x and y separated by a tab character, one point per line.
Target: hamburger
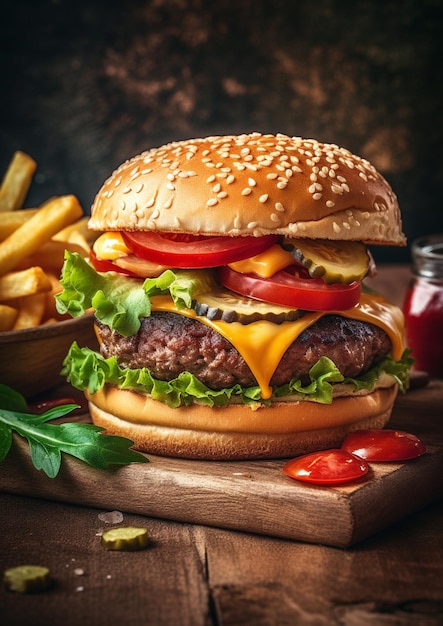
226	282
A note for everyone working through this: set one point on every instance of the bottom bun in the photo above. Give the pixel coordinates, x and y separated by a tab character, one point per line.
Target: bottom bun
237	432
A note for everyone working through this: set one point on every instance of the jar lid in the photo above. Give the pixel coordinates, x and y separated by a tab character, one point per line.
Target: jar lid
427	254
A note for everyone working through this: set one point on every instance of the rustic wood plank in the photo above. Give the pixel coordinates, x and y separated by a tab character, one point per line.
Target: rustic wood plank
149	587
393	577
215	493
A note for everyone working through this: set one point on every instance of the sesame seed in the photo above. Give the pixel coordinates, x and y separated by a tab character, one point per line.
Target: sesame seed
230	179
279	207
170	186
212	202
237	222
272	176
168	203
282	184
336	189
251	182
216	188
246	191
317	196
336	227
251	225
330	204
127	190
263	198
222	195
275	218
210	179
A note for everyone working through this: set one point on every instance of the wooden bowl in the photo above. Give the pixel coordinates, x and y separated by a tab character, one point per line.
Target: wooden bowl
31	359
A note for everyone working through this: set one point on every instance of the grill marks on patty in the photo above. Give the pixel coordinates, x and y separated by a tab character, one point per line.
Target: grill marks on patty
168	344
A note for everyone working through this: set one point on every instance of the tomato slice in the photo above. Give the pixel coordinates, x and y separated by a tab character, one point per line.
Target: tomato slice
326	467
195	251
104	265
383	445
290	287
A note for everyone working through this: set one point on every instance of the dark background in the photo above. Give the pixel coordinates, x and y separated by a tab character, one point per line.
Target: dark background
85	85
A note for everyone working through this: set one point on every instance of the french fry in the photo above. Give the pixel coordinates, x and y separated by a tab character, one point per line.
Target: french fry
16	181
8	315
51	256
23	283
32	248
11	220
51	312
78	227
31	311
28	238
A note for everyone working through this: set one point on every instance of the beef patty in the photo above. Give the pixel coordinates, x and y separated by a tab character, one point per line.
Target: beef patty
168	344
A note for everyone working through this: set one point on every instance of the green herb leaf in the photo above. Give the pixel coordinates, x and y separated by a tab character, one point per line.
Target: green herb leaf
47	441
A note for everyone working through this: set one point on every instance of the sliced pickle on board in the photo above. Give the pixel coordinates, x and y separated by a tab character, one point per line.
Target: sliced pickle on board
125	538
27	579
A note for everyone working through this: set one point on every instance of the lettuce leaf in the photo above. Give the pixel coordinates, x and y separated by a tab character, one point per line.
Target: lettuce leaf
86	369
121	301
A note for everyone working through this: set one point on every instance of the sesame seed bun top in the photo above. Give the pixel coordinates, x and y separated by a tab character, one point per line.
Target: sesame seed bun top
251	185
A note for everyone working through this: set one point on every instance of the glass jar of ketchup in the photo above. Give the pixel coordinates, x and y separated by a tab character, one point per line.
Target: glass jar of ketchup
423	306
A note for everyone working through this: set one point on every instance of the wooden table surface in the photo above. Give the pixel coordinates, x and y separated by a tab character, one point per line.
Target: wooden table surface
196	575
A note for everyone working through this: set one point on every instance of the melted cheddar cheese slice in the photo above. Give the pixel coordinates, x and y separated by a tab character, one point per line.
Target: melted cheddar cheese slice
262	344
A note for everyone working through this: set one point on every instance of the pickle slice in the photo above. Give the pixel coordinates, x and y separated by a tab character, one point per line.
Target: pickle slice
125	538
228	306
333	261
27	579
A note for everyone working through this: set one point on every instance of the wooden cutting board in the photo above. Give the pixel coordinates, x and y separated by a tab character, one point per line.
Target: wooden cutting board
255	496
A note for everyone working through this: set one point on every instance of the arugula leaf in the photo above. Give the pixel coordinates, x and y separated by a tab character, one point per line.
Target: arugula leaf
47	441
